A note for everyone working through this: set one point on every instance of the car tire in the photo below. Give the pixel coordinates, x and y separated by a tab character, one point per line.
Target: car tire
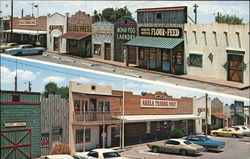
19	53
155	149
40	52
183	152
215	134
234	136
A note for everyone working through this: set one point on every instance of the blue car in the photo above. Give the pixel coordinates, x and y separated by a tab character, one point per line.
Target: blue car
25	49
206	142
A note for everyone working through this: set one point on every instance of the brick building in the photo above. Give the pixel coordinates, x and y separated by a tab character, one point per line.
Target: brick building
27	30
152	117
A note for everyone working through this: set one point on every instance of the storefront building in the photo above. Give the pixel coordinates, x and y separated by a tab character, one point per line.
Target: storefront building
54	122
217	50
159	40
103	40
28	30
20	124
238	113
78	35
125	29
56	26
200	110
151	117
93	122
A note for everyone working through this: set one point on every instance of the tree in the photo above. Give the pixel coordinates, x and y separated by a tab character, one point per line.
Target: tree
230	19
111	14
145	93
52	88
60	148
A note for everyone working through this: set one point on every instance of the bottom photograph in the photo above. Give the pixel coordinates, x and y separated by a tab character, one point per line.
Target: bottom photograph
59	112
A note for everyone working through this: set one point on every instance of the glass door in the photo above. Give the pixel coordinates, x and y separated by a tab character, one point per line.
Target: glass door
152	58
166	61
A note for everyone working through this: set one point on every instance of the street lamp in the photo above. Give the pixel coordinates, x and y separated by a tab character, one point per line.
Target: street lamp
37	7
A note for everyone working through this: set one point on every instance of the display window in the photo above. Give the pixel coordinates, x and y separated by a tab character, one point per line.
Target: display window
97	49
152	59
165	61
195	60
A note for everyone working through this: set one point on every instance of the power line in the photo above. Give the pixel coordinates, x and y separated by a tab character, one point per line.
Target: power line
62	72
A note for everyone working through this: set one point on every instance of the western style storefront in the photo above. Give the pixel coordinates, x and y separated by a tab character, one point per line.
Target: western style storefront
93	122
152	117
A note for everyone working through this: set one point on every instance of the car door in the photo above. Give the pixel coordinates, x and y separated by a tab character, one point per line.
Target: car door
25	50
169	146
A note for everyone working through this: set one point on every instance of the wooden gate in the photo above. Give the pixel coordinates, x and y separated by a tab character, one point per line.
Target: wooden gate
235	68
16	144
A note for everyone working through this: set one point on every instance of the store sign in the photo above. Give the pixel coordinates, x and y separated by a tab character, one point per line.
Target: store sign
149	103
125	33
59	27
45	140
200	110
160	97
102	31
79	28
27	22
160	32
15	124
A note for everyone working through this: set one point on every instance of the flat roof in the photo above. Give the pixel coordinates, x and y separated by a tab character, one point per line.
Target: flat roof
93	94
161	9
23	92
147	118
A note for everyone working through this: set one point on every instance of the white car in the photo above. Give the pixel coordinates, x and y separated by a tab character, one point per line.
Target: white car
61	156
242	128
25	49
101	154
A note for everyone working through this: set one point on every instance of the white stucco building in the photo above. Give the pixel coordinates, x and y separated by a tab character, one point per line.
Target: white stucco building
217	50
56	26
200	110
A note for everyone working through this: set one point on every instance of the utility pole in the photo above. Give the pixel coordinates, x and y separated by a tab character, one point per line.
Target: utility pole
11	22
206	118
30	86
16	77
195	12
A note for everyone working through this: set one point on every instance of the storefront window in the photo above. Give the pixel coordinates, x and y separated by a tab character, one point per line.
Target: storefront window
79	135
85	105
142	58
97	49
195	60
165	61
72	42
107	106
152	58
76	105
100	106
148	127
178	58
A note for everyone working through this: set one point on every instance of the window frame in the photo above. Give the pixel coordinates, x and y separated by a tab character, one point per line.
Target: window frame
191	55
15	96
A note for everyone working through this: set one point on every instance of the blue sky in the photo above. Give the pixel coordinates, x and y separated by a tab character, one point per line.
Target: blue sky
206	9
39	73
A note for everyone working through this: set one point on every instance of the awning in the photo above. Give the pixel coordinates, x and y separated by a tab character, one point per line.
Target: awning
242	115
220	115
74	35
21	31
155	42
147	118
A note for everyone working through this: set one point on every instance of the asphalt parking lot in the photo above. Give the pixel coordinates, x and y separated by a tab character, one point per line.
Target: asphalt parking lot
235	148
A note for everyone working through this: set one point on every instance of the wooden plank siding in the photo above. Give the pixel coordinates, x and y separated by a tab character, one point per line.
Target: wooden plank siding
30	114
55	114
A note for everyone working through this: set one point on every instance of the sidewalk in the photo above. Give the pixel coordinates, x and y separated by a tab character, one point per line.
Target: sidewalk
215	81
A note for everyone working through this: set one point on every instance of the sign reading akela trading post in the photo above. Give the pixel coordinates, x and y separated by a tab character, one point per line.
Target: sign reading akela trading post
160	32
149	103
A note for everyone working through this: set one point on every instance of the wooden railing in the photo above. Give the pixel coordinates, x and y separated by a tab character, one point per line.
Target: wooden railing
80	116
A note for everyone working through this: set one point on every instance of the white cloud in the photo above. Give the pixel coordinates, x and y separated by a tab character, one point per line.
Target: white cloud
23	75
55	79
80	80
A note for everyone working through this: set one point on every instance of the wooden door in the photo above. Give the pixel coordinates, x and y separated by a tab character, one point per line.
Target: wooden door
107	50
235	67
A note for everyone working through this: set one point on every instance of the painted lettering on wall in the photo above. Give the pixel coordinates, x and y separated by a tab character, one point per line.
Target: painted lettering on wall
158	103
125	33
102	31
200	110
59	27
160	32
27	22
15	124
79	28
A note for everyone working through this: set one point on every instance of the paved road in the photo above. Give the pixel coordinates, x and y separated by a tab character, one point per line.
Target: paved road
83	63
234	149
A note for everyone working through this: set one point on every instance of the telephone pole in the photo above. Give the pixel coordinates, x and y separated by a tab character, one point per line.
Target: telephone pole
195	12
206	118
30	86
11	22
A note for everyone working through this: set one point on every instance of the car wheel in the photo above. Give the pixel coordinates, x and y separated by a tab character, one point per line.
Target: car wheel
234	136
19	53
40	52
183	152
215	134
155	149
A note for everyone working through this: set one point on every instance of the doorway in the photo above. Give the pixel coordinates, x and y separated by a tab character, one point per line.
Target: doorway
107	51
235	67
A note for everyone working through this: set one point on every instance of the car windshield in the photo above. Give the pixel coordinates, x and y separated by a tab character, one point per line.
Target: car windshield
244	128
111	154
187	142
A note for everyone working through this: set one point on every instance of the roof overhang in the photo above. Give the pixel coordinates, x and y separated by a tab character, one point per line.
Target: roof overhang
149	118
220	115
30	32
154	42
74	35
94	94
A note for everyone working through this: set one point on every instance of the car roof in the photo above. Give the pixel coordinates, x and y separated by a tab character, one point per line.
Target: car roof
199	136
104	150
61	156
179	140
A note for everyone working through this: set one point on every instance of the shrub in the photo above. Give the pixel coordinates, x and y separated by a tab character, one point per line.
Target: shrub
209	128
60	148
176	133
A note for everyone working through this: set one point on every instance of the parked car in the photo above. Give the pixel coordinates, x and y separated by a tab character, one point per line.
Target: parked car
25	49
206	142
7	46
101	154
61	156
179	146
242	128
227	132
